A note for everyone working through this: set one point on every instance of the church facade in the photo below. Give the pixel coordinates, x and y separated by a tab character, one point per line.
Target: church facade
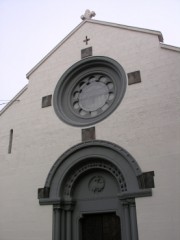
89	148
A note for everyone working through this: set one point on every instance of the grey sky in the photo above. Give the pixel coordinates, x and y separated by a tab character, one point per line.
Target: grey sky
29	29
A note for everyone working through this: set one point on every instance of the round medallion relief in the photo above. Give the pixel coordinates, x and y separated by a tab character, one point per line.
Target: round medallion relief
89	91
96	184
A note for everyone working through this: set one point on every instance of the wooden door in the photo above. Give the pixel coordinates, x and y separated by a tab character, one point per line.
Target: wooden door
104	226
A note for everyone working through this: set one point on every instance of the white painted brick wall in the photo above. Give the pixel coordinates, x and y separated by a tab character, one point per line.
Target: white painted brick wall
146	124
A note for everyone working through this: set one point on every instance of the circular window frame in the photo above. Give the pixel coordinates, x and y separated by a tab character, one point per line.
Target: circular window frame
80	72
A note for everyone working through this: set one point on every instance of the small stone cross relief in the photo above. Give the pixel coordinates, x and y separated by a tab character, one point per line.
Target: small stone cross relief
86	40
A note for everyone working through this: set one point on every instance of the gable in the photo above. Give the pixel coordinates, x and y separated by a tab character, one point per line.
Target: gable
94	24
124	44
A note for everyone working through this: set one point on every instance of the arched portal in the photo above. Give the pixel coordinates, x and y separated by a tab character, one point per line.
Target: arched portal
97	182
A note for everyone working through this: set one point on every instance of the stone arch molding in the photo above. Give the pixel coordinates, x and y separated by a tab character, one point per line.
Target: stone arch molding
85	156
84	167
100	160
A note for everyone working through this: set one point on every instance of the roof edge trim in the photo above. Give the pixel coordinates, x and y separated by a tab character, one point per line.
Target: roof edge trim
53	50
143	30
137	29
14	99
170	47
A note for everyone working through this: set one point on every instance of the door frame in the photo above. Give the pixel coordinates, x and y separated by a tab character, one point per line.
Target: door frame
78	160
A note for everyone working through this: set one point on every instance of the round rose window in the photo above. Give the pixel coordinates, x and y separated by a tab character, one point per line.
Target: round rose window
89	91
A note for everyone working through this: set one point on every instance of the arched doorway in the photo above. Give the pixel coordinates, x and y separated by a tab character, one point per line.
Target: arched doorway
93	186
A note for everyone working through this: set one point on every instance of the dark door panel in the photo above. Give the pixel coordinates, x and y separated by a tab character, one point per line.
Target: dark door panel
104	226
